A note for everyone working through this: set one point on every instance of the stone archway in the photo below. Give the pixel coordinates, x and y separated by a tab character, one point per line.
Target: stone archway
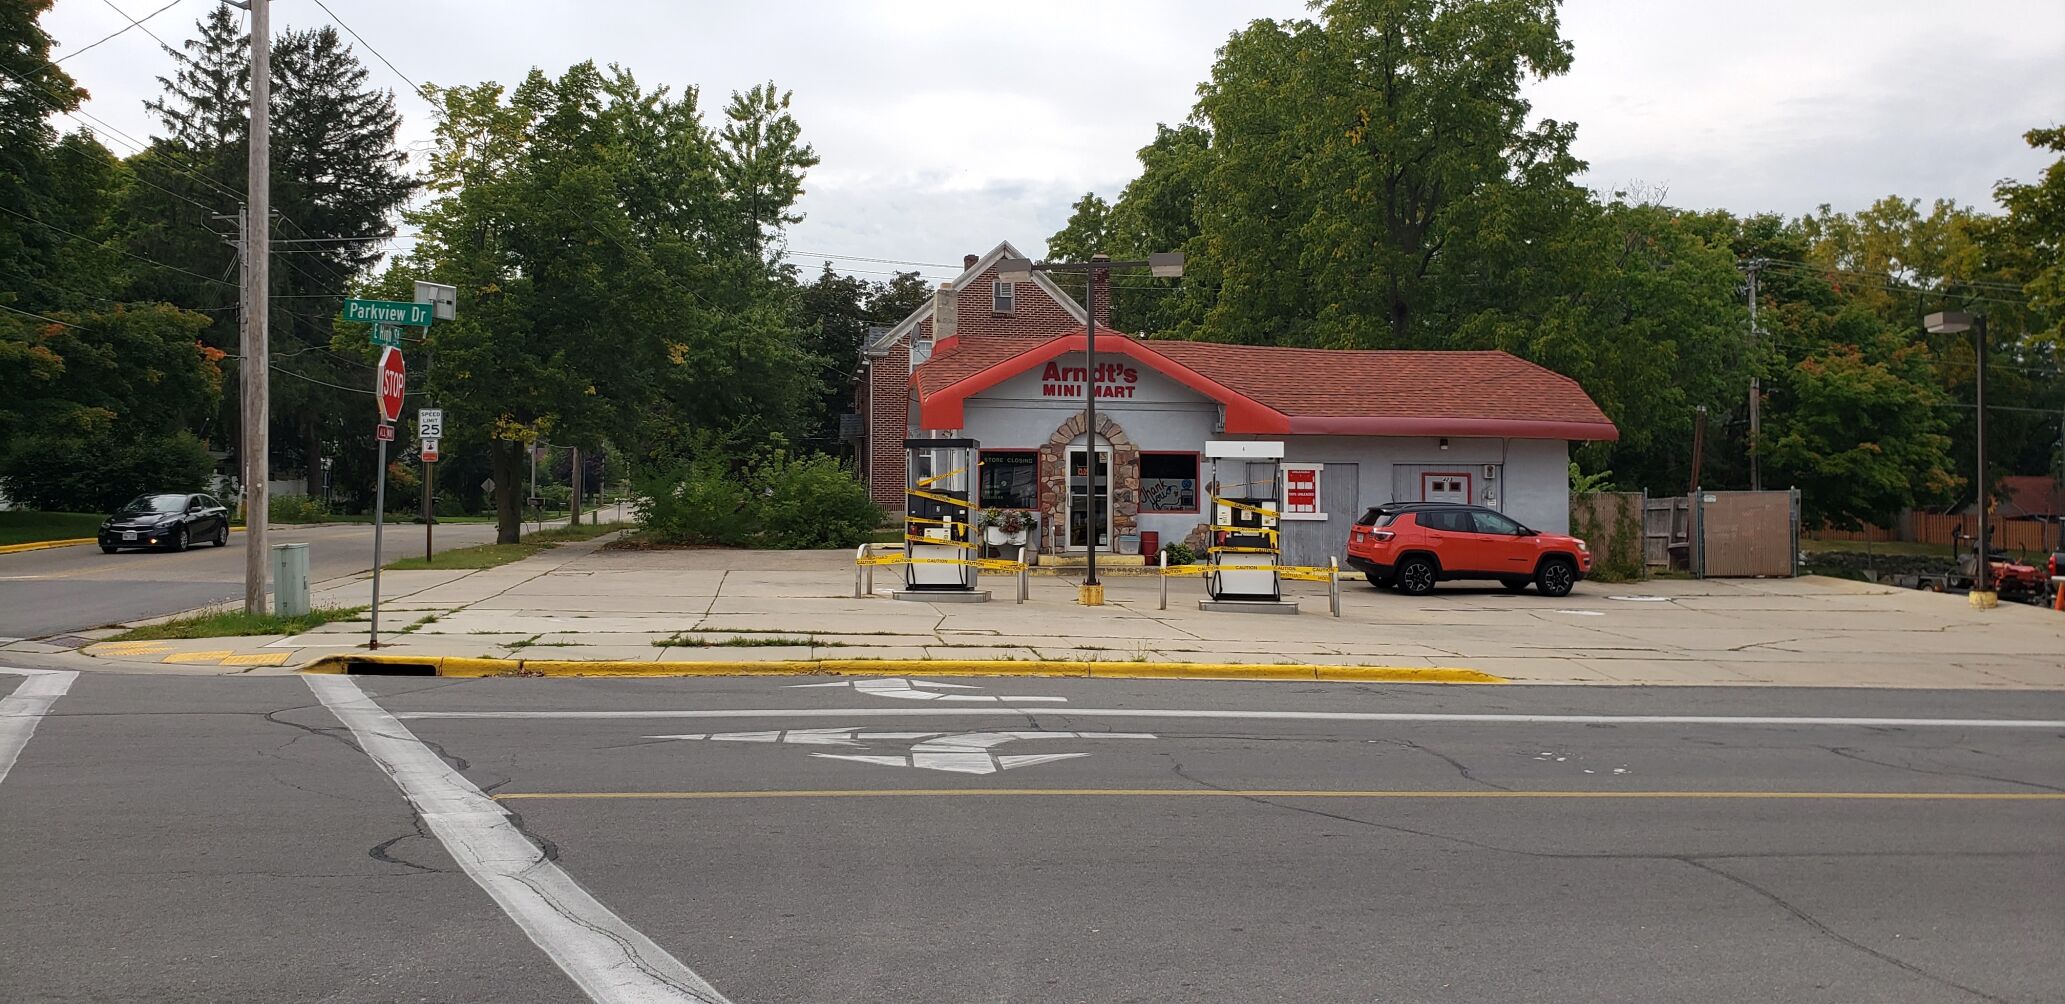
1124	488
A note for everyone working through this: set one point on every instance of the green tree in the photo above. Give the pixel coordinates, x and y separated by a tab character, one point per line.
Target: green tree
1863	435
761	161
29	88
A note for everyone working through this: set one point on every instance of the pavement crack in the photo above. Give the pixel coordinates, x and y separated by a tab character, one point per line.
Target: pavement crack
1834	935
380	852
1461	770
1310	811
1848	753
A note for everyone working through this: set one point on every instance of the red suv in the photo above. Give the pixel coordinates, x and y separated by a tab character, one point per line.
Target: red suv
1414	544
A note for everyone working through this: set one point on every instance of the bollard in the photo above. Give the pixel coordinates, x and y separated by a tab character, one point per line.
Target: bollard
1334	583
1165	581
860	570
1024	577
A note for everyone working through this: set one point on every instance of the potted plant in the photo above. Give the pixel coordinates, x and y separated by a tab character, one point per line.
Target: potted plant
992	522
1017	526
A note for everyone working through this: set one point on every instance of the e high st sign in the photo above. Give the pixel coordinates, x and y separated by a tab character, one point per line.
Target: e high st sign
1114	379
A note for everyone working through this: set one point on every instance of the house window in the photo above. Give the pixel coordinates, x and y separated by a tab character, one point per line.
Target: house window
1168	482
1003	297
1010	479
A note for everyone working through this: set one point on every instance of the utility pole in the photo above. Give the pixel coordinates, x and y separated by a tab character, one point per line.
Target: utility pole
1756	389
257	312
574	479
1982	572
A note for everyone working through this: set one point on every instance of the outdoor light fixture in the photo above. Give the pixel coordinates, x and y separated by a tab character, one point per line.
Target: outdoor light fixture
1014	269
1954	322
1444	442
1166	264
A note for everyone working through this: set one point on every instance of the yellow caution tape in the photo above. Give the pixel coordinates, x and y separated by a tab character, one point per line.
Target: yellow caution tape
964	545
941	477
948	499
935	522
1260	531
1241	550
992	564
1271	513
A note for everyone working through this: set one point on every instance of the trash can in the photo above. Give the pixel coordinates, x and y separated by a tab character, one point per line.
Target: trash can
1151	545
289	580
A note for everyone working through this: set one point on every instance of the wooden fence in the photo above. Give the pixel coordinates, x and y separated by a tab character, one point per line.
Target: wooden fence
1947	530
1611	524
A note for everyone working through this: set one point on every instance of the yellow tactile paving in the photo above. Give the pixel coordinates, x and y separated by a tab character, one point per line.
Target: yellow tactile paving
214	655
260	659
133	648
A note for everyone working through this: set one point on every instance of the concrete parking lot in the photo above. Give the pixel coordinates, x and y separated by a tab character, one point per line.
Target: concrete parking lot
586	602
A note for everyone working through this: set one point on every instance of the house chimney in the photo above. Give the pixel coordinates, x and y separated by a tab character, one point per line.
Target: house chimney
968	261
946	313
1100	293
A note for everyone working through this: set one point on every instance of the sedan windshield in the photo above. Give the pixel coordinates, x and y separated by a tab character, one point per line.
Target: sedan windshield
147	504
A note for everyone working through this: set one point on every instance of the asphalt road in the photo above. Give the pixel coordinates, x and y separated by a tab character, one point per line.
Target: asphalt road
60	589
190	839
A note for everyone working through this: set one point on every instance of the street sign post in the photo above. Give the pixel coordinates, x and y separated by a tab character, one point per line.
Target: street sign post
430	451
387	335
430	423
384	432
415	315
443	299
390	382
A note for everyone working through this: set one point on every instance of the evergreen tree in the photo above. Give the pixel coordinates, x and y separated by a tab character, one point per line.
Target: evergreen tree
31	86
762	160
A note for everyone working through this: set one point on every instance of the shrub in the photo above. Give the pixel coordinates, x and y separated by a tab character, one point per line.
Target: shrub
97	472
812	501
296	509
700	503
446	505
1180	553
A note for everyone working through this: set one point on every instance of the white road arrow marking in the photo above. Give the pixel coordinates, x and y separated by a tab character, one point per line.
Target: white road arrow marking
968	752
957	752
908	690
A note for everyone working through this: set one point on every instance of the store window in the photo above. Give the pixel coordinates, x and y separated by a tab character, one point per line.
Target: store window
1168	482
1010	479
1003	297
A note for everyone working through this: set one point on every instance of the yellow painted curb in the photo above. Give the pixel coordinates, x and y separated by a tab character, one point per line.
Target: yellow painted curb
459	667
38	545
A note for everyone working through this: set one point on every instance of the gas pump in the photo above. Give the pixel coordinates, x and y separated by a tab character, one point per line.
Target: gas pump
1244	553
938	532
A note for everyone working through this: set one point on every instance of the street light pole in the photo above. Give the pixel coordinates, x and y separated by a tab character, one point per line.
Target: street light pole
1164	264
1951	322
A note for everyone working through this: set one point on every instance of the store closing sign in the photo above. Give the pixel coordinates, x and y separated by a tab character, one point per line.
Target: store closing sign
1301	491
1113	380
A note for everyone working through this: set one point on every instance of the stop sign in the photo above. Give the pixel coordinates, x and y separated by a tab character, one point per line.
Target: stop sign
390	381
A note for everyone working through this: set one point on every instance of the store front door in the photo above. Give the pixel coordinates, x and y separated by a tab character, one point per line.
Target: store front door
1088	509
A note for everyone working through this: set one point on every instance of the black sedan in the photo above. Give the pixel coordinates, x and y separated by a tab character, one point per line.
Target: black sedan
169	521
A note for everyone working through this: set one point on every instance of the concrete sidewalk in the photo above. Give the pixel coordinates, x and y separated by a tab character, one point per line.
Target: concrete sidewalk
586	602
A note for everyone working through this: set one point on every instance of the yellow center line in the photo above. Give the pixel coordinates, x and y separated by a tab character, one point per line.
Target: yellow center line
1899	796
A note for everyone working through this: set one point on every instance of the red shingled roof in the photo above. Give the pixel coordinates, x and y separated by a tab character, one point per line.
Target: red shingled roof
1268	389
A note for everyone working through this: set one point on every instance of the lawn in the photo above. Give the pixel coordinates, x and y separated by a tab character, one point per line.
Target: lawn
225	623
29	527
491	555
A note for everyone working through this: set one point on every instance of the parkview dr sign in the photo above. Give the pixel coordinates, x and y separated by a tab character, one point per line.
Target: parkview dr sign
415	315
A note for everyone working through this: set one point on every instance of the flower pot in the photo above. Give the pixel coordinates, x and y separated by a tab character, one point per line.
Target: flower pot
993	536
1016	539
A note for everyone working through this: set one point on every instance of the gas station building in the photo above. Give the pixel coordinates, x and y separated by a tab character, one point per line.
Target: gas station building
1359	428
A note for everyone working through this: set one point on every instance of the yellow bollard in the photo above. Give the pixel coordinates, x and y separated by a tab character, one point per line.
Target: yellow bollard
1089	595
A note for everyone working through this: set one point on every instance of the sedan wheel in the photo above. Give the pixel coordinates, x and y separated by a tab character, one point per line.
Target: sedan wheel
105	549
221	536
1555	578
178	540
1416	577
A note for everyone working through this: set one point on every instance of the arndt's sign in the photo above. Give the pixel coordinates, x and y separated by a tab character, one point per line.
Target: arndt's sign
1113	380
415	315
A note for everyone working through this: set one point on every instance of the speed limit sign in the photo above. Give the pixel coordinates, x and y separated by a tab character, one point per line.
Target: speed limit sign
430	423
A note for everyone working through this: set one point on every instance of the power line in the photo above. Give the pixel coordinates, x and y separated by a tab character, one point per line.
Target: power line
1820	268
40	317
154	35
133	23
383	57
117	250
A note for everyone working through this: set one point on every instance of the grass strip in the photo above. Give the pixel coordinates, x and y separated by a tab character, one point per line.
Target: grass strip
34	527
227	623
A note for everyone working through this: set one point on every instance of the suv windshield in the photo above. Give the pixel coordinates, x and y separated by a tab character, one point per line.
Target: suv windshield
146	504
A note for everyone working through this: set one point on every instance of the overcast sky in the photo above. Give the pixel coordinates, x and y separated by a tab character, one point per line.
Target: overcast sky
945	127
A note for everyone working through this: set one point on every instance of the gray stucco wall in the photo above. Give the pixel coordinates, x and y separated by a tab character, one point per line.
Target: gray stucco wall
1530	481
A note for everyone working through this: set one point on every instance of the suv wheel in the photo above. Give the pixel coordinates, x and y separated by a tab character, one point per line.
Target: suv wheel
1556	577
1516	585
1416	576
